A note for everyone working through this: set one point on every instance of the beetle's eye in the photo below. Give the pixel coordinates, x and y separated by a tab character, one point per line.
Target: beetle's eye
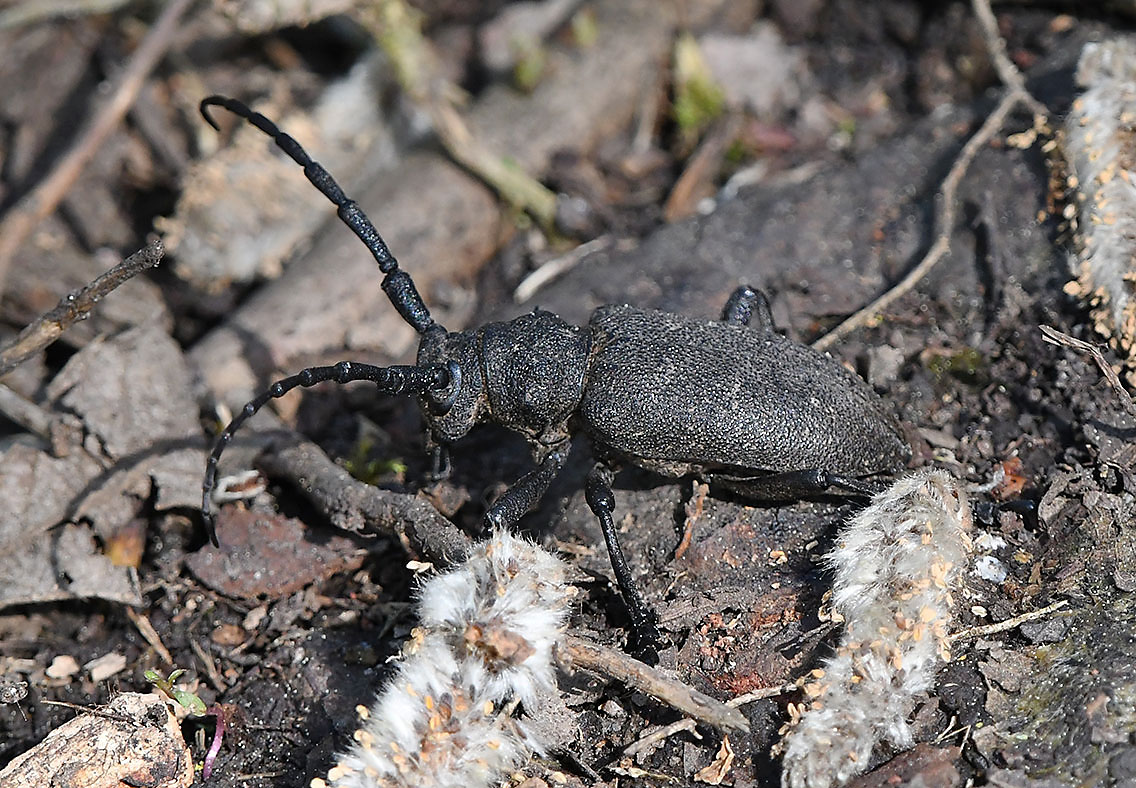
444	390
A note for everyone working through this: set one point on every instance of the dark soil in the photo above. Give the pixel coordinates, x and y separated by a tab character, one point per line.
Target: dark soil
290	625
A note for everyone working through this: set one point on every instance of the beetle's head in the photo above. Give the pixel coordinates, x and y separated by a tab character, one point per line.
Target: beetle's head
451	412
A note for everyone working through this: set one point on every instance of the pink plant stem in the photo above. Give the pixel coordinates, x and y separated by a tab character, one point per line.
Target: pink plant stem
217	713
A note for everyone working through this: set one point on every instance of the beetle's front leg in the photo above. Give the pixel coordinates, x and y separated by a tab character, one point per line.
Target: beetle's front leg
526	492
644	623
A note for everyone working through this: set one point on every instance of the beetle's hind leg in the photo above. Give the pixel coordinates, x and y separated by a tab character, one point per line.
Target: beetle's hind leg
795	485
644	623
748	306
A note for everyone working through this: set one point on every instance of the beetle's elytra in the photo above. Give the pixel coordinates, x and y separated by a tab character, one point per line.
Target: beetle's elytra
731	400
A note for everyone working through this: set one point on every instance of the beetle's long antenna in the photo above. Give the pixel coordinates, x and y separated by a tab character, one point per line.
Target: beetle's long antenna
397	284
390	380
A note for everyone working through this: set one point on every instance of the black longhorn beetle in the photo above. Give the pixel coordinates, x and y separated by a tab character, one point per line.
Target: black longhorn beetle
730	401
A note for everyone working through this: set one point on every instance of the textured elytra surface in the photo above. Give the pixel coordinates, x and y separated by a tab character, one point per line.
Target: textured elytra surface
671	389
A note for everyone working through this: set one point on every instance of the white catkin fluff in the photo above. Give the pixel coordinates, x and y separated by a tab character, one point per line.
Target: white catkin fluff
897	566
484	642
1101	150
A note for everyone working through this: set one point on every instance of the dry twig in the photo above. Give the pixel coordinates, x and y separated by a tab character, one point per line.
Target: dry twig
356	506
26	413
636	675
397	30
75	306
766	692
1055	337
34	207
146	629
94	711
651	740
1007	72
1016	95
1008	624
557	267
208	666
35	11
693	511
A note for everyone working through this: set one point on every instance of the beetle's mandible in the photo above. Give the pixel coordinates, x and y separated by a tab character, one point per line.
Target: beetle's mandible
731	400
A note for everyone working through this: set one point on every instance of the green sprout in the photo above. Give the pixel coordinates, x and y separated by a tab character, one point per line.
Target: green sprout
585	30
184	698
195	706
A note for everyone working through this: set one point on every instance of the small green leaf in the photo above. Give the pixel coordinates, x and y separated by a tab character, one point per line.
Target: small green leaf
189	701
175	675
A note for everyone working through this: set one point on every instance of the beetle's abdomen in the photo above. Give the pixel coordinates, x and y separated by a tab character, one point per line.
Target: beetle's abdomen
668	389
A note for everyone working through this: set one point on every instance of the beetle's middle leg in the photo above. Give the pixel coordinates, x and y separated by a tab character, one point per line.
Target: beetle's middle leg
601	500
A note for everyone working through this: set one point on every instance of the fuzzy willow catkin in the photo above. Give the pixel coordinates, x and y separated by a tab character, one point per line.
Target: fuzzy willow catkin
1100	143
485	642
897	564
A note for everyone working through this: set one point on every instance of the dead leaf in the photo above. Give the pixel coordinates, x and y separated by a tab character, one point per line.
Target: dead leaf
719	769
132	395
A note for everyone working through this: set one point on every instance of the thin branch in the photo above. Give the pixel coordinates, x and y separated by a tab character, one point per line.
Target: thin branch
355	506
693	511
1055	337
557	267
650	741
26	413
996	47
35	11
944	224
75	306
146	629
45	198
766	692
208	666
1008	624
93	711
652	681
1016	94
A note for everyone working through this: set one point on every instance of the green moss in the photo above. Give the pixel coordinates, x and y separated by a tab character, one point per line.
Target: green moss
967	365
364	466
